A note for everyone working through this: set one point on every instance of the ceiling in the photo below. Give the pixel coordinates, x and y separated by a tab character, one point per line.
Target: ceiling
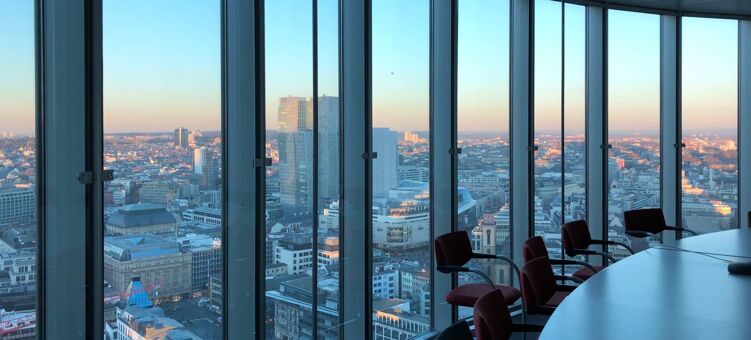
735	8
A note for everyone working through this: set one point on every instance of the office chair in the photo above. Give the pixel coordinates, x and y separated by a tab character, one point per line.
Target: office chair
457	331
576	241
452	252
648	222
540	291
493	319
535	247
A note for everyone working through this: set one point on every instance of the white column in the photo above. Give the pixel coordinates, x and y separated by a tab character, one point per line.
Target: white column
596	121
744	122
670	127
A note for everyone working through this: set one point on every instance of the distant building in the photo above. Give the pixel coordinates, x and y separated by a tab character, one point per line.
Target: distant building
18	325
296	251
328	149
393	320
199	160
295	140
181	137
140	219
215	289
293	319
17	205
413	173
206	258
164	270
208	216
139	323
160	193
385	165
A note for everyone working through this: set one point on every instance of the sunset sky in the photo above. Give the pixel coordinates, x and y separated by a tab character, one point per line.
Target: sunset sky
162	65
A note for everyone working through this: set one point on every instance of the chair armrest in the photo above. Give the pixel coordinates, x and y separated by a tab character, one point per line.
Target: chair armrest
526	328
676	229
615	243
573	262
604	255
502	258
568	278
447	269
642	234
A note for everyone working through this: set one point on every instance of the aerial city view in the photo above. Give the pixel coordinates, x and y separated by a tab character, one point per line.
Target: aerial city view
163	222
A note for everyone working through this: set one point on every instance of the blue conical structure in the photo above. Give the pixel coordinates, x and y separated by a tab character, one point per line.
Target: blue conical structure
136	295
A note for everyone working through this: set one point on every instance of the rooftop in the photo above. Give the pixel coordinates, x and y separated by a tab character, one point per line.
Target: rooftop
141	214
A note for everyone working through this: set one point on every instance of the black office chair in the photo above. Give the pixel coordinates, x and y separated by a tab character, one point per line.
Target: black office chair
643	223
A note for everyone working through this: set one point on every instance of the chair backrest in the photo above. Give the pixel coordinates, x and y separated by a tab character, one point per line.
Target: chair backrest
575	235
538	282
457	331
534	248
649	220
492	318
453	249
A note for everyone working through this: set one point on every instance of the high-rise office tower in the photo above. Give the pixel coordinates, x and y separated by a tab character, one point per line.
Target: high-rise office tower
181	137
199	160
295	155
384	166
328	147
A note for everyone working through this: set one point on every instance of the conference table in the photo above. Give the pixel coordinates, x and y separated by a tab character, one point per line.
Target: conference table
664	293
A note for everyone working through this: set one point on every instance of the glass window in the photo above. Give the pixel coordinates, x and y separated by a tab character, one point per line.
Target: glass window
162	138
547	124
328	169
401	172
484	190
709	173
633	118
18	215
560	181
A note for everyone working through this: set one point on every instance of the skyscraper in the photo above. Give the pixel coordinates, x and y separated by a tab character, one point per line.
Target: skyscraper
295	155
328	149
199	160
384	166
181	137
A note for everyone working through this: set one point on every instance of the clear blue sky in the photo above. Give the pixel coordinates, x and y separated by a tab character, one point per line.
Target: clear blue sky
162	65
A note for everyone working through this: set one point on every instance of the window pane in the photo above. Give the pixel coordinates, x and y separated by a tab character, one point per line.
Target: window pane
328	169
289	181
547	124
633	117
162	138
18	223
401	208
483	134
574	160
710	124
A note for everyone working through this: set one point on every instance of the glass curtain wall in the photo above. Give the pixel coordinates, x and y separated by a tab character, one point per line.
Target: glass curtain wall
162	139
634	176
548	122
484	190
18	205
327	115
709	173
559	120
290	211
402	246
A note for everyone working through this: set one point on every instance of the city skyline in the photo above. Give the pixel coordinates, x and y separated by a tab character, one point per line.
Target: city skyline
158	83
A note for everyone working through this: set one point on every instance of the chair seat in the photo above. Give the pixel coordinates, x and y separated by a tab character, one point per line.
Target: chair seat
585	272
557	298
468	294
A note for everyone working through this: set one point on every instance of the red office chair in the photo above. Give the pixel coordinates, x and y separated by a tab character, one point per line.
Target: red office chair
576	241
452	252
535	247
540	291
648	222
493	319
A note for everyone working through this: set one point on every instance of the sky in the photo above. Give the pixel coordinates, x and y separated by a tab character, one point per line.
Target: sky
162	65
